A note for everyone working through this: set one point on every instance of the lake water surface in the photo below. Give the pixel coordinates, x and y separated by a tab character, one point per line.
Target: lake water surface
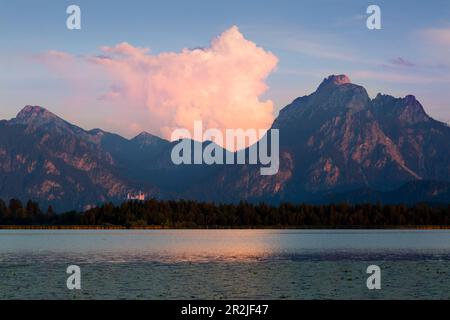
225	264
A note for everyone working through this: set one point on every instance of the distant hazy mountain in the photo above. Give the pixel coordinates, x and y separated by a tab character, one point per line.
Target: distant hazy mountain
335	145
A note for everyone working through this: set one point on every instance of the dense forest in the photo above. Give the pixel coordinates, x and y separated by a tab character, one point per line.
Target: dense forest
191	214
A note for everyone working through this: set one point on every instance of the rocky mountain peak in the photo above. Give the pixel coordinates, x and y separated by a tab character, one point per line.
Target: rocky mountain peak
413	111
336	80
410	99
33	112
145	138
35	115
407	110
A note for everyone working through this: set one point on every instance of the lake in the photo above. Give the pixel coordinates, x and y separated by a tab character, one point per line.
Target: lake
225	264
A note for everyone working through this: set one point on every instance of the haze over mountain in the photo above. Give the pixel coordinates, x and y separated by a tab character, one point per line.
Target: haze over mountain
336	144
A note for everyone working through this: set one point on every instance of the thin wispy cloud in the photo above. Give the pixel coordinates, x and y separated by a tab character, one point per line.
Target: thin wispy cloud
399	61
313	44
319	50
359	17
439	36
437	44
394	77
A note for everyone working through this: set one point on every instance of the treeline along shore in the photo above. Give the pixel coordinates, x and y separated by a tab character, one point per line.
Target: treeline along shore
156	214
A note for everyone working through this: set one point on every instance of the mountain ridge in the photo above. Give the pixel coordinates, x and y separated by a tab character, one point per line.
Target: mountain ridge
337	140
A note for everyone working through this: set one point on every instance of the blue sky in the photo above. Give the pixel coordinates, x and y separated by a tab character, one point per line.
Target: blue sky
311	40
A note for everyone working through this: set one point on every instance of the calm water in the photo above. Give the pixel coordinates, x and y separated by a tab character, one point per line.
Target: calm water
225	264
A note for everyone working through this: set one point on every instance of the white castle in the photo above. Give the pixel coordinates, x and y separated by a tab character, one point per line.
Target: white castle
140	196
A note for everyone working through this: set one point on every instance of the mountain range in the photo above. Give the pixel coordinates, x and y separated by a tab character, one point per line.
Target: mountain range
336	144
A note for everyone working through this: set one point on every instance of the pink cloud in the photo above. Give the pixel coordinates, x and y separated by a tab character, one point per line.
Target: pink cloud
440	36
220	85
437	44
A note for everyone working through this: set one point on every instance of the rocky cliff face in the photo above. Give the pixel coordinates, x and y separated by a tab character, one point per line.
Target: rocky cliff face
45	158
338	139
339	142
335	141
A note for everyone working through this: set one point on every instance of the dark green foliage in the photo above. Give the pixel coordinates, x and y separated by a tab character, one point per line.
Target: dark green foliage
191	214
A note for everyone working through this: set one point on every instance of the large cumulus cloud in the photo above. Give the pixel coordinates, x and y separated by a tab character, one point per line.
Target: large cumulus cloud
220	85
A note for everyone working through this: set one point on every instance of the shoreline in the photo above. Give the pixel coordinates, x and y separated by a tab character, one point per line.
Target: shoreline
76	227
